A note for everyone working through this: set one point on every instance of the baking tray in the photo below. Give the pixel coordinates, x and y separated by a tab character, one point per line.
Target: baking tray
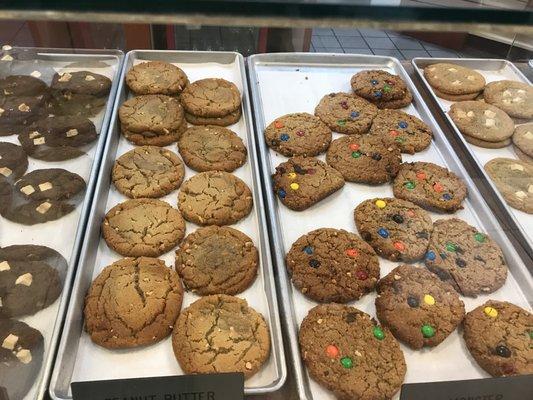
295	82
65	234
81	360
520	222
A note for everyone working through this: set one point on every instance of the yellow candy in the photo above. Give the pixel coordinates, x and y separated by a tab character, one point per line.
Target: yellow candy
292	175
429	299
380	204
491	312
294	186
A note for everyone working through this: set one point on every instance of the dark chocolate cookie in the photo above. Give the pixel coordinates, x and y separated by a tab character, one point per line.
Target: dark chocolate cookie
74	104
332	265
22	86
16	113
81	82
13	161
378	85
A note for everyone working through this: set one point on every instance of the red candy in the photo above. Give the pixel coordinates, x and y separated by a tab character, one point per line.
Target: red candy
354	146
361	275
421	175
300	133
278	124
394	133
352	252
332	351
344	105
310	171
399	246
411	213
437	187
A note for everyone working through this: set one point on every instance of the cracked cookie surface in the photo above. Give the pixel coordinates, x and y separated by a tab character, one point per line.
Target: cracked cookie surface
214	198
466	258
454	79
332	265
212	148
378	85
143	227
398	230
226	120
151	113
347	352
13	161
217	260
498	335
133	302
211	97
418	308
81	82
147	171
221	333
515	98
156	77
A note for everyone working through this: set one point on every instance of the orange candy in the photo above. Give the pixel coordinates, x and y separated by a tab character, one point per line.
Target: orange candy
278	124
332	351
354	146
394	133
421	175
352	253
438	187
399	246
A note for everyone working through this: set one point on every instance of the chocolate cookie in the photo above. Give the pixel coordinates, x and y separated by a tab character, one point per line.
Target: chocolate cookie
30	279
522	138
217	260
81	82
156	77
133	302
398	230
16	113
498	335
347	352
22	86
418	308
208	148
378	85
143	227
515	98
147	171
481	121
332	265
13	161
58	138
301	182
74	104
430	186
211	97
226	120
221	333
40	196
346	113
410	133
299	134
394	104
487	145
214	198
514	180
369	159
466	258
21	356
454	79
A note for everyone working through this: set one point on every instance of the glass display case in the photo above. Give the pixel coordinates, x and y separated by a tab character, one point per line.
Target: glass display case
333	198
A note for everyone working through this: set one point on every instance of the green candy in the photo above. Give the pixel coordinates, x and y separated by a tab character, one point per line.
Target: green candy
399	139
378	333
409	185
428	331
531	334
479	237
346	362
387	88
356	154
341	122
451	247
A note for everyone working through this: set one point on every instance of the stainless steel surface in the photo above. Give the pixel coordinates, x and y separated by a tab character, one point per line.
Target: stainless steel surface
493	69
294	82
90	259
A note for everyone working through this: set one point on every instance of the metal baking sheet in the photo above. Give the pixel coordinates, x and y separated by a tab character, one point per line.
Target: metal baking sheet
492	70
81	360
295	82
64	235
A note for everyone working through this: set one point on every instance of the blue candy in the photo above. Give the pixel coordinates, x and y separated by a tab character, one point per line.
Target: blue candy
383	232
354	114
374	82
430	255
378	94
308	250
282	193
284	137
447	196
402	124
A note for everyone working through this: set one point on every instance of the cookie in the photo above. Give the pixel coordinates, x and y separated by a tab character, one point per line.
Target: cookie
378	85
21	356
22	86
430	186
465	257
217	260
346	113
156	77
347	352
299	134
13	161
133	302
514	180
226	120
150	138
418	308
74	104
410	133
302	182
81	82
523	138
214	198
456	97
487	145
58	138
395	104
30	279
521	155
481	121
16	113
212	148
211	97
398	230
147	171
515	98
454	79
40	196
332	265
221	333
498	335
143	227
368	159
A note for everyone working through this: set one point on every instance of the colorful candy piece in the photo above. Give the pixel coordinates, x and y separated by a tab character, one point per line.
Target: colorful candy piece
429	299
354	114
421	175
402	124
341	122
451	247
397	218
437	187
311	171
480	237
430	255
352	252
374	82
383	233
295	186
460	262
314	263
491	312
346	362
344	105
378	333
354	146
356	154
412	301
387	88
411	213
376	156
399	139
503	351
394	133
361	275
332	351
278	124
300	133
447	196
380	204
308	249
399	246
282	193
378	94
291	175
428	331
284	137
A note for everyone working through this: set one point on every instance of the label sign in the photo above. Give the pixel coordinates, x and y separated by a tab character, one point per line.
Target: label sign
185	387
506	388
